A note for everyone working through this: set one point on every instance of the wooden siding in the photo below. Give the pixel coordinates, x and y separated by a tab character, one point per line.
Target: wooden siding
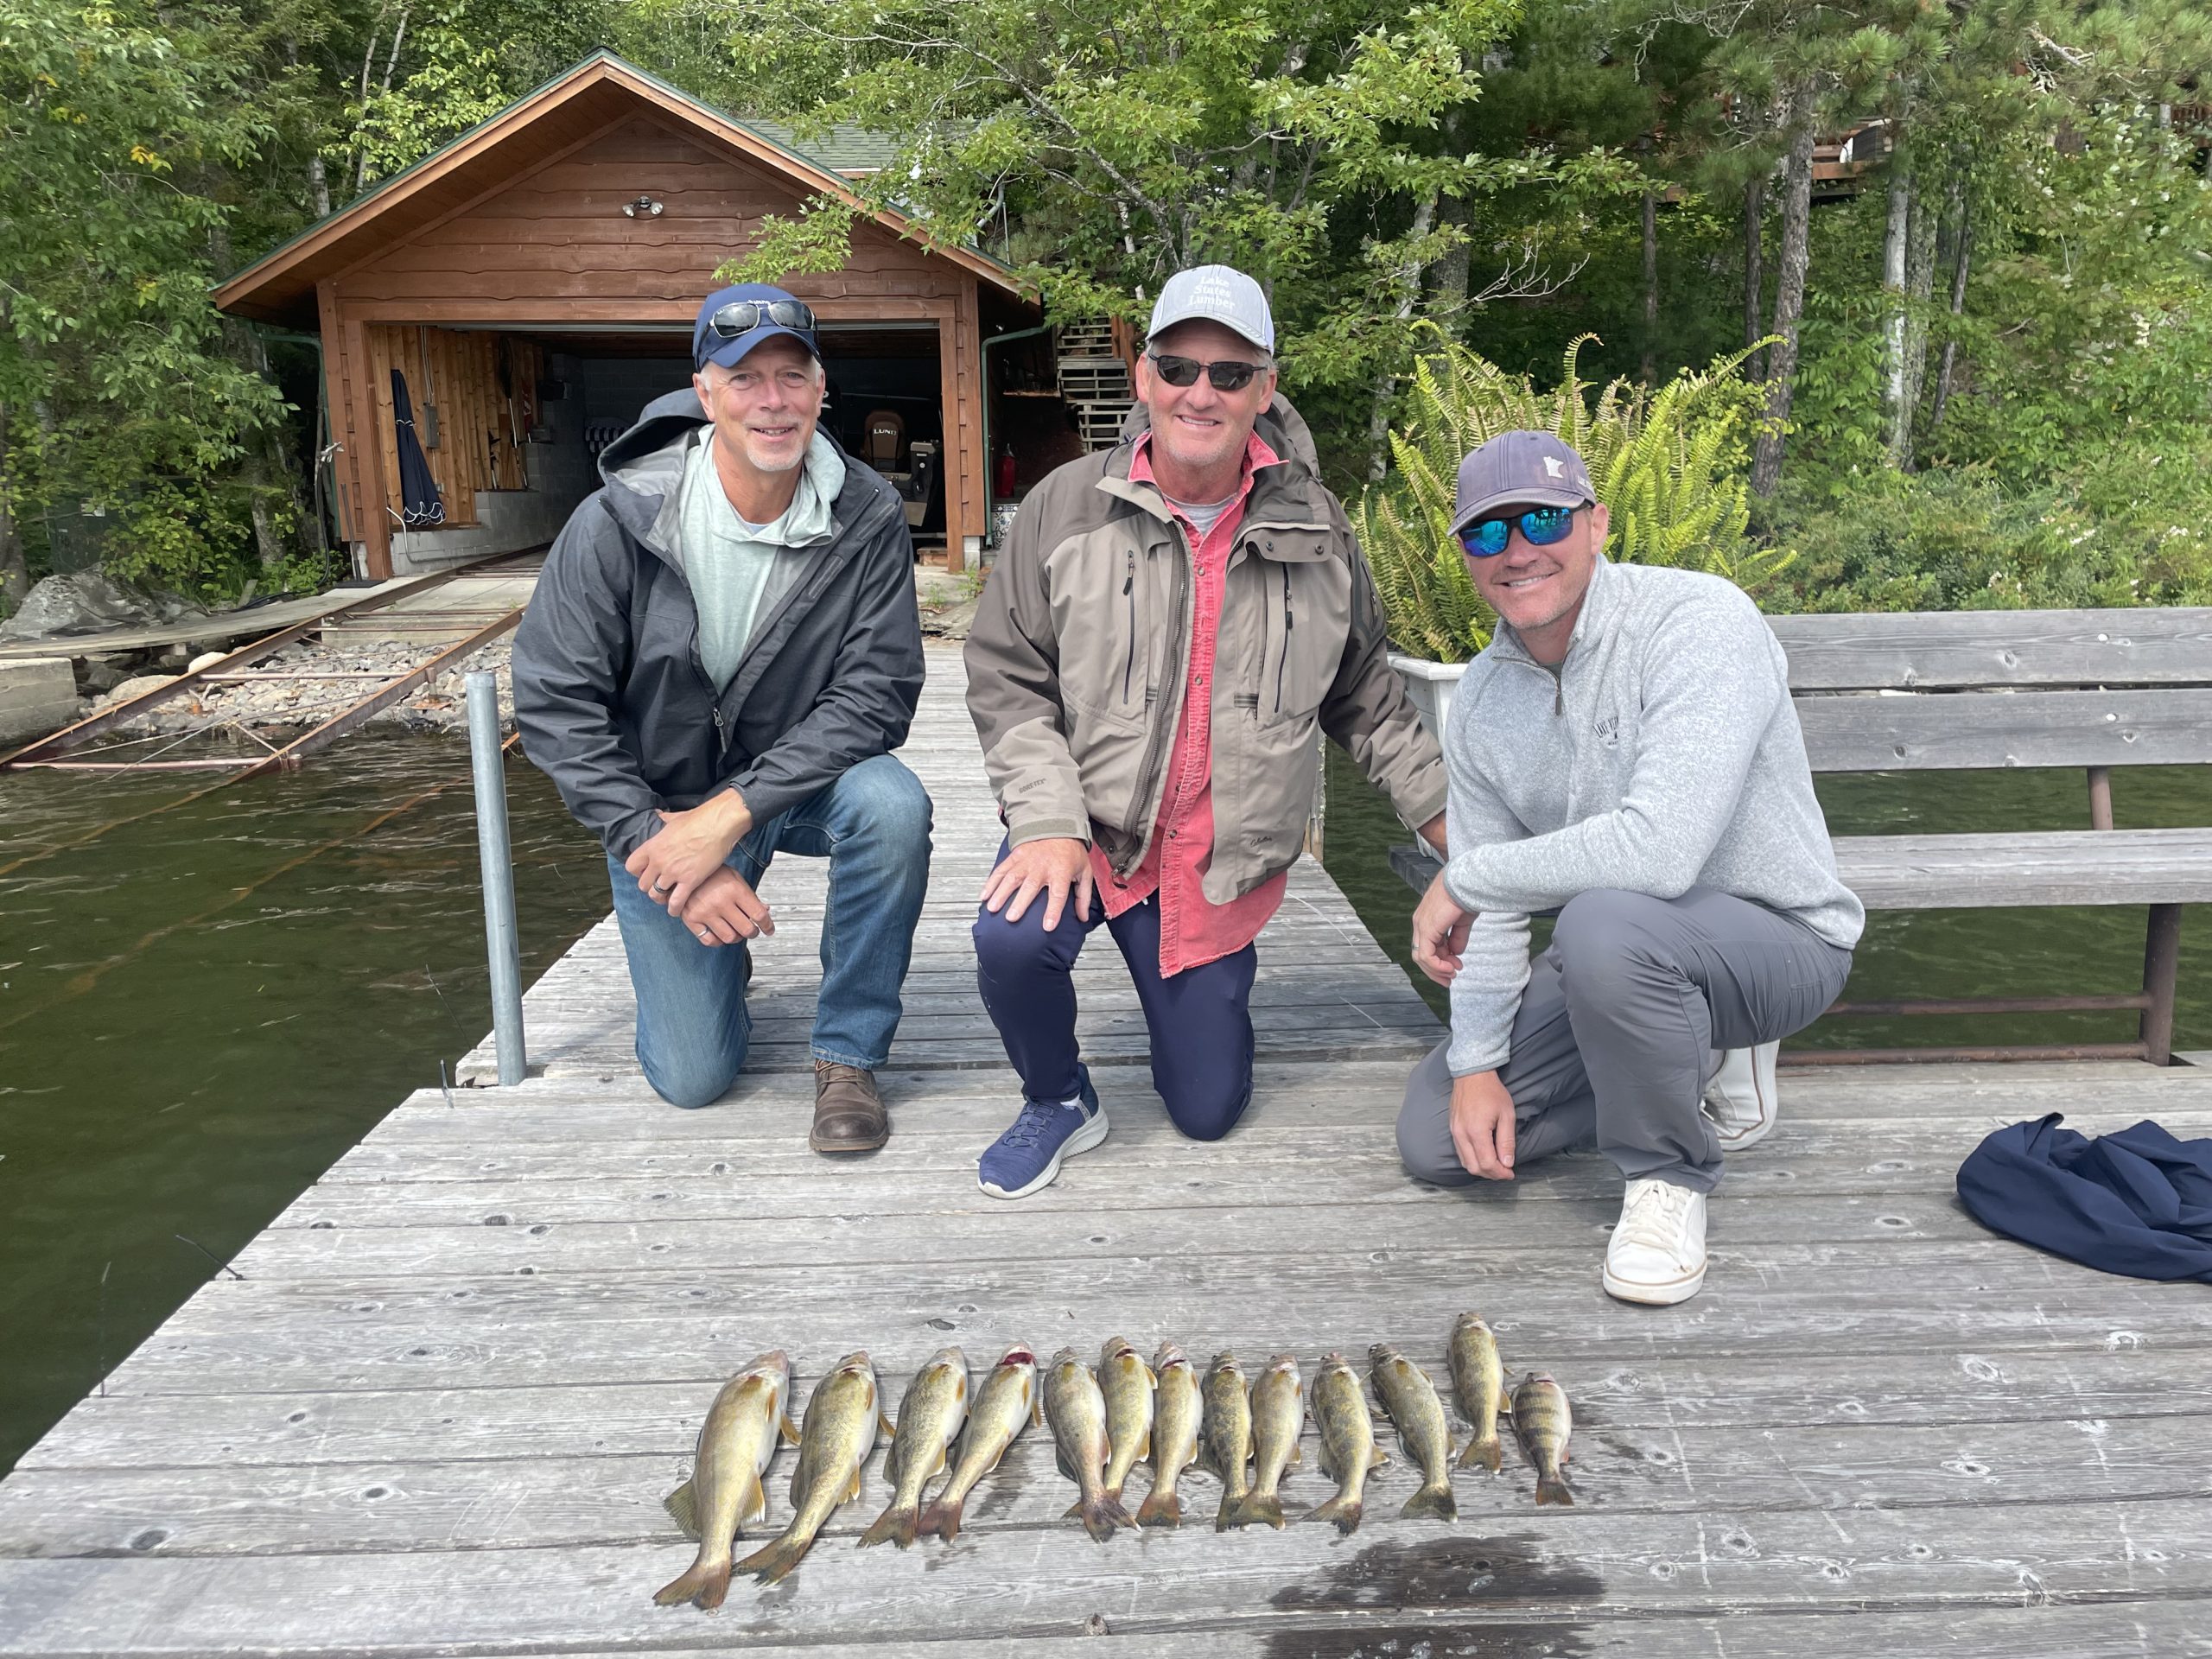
459	373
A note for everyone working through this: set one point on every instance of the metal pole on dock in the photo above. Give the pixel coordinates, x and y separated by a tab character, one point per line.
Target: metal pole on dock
497	860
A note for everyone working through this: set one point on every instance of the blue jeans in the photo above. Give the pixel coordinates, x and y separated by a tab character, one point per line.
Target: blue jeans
1199	1022
872	825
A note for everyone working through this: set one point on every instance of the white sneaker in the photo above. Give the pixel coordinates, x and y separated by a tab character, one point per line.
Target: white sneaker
1657	1253
1741	1099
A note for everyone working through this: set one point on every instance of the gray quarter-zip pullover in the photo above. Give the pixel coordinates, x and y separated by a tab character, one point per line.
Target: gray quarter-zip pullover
1662	754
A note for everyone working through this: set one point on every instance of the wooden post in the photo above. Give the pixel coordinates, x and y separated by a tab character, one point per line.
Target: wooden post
2099	797
2161	970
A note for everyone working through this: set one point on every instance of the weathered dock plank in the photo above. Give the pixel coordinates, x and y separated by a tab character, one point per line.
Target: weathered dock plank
438	1412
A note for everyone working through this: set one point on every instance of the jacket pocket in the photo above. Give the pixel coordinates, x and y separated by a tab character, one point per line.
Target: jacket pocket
1307	622
1109	745
1275	765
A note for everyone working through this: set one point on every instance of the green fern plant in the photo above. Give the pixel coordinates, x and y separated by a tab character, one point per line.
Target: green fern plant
1669	466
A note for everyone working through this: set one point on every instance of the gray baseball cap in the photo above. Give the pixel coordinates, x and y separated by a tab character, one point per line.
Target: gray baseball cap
1519	469
1218	294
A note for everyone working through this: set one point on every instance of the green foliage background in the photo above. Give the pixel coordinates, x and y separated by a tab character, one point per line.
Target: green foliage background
1447	198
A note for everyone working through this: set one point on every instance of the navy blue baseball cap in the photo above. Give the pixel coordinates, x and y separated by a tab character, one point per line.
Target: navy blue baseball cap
733	320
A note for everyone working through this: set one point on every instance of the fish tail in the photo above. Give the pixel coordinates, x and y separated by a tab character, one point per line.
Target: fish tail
1343	1510
1223	1518
1161	1507
1431	1503
706	1583
1101	1515
1550	1488
1486	1451
1257	1506
895	1525
943	1518
773	1564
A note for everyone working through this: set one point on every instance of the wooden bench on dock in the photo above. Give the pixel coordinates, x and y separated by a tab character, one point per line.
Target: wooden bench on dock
1963	690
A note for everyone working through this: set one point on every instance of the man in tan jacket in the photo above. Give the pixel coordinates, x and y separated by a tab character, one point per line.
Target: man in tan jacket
1169	623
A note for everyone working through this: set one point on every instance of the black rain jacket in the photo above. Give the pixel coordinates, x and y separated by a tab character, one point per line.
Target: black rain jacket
611	697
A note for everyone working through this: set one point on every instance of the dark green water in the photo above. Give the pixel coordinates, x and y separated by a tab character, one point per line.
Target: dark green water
199	1011
1939	953
202	1010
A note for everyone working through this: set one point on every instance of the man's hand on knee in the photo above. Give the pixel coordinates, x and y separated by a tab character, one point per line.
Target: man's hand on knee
726	909
1054	867
1482	1125
688	848
1439	932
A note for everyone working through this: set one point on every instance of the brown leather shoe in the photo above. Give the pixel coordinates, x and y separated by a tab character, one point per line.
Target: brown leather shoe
849	1113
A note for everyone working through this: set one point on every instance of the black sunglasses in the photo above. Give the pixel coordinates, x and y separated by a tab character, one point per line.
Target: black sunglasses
743	316
1228	375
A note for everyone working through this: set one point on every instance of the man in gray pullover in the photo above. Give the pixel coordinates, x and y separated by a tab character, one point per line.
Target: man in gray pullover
1624	752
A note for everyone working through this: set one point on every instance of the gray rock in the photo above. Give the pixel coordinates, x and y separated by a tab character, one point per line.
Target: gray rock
90	601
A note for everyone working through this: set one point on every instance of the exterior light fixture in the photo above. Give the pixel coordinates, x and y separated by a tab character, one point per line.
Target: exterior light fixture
643	207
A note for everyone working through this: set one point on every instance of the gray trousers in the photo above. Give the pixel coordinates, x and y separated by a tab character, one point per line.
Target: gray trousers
1614	1038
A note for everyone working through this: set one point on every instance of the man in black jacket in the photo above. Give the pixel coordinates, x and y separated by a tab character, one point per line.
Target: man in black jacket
721	653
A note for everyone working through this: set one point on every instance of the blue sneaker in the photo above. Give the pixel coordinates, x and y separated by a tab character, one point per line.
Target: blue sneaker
1028	1156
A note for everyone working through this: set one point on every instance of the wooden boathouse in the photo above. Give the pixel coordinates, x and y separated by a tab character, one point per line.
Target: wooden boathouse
534	283
438	1409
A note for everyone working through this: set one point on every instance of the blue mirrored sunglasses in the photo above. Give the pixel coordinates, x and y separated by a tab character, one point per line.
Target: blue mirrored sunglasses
1540	527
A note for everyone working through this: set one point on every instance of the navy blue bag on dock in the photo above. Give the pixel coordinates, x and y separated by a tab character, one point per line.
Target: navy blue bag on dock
2136	1201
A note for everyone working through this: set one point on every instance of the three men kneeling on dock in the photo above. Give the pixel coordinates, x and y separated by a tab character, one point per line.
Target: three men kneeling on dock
1168	624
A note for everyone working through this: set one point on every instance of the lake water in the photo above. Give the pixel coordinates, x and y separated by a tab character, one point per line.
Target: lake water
202	1010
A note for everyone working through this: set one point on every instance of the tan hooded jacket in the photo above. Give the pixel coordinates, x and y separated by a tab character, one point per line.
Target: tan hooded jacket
1078	660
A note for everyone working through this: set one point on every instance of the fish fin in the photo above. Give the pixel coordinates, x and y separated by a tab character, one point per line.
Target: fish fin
884	1426
774	1563
1553	1492
891	1465
704	1584
1257	1506
788	1429
1162	1508
896	1524
1431	1504
1486	1451
1060	1462
1144	1451
753	1504
852	1486
1297	1457
1037	1412
1380	1458
1343	1511
944	1519
682	1504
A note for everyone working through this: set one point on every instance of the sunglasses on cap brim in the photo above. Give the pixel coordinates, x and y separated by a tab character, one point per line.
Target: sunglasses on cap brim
1228	375
1486	538
743	316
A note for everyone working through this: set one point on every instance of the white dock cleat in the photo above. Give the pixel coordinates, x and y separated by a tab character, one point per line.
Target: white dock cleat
1657	1252
1741	1099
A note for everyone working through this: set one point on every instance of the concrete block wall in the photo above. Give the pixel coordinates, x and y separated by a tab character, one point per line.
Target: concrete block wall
38	696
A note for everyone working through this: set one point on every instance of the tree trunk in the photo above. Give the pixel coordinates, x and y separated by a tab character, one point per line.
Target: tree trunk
1919	285
15	574
1650	287
1754	277
1788	299
1899	434
1960	258
1408	283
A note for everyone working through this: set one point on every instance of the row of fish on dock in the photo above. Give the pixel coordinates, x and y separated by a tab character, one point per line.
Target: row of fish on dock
1243	1434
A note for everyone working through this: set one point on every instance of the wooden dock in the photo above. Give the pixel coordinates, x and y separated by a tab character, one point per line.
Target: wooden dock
438	1412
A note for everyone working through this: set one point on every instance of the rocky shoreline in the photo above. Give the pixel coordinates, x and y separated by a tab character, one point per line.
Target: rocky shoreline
307	683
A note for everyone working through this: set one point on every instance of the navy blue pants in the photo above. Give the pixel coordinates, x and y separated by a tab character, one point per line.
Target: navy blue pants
1200	1021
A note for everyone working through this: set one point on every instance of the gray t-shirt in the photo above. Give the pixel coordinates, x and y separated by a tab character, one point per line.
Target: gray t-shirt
726	559
1202	515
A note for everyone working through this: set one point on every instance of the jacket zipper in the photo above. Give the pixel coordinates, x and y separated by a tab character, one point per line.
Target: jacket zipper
1149	768
1129	593
1283	661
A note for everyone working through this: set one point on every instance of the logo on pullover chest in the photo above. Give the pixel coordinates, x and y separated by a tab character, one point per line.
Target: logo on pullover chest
1607	729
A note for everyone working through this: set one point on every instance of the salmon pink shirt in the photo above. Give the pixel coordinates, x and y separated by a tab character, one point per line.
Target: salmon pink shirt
1193	930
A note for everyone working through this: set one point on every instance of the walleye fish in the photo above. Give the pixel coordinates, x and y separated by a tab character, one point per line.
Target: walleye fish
1177	1411
1225	1433
1410	1398
1479	1377
1348	1447
1542	1420
1128	1384
1077	1411
736	1444
1005	1405
841	1424
935	1406
1278	1419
